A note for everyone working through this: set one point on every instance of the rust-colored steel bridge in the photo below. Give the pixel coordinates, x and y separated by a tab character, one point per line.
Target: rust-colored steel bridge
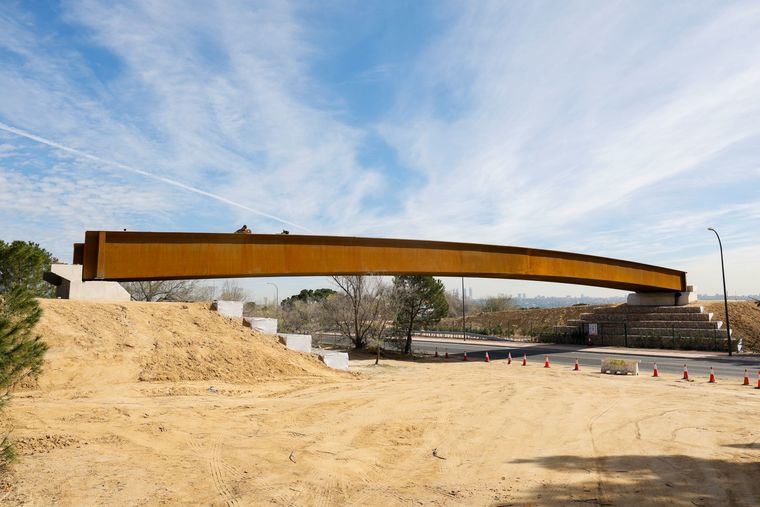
132	256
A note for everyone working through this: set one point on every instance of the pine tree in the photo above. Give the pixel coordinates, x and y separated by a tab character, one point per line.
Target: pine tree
21	351
421	301
22	263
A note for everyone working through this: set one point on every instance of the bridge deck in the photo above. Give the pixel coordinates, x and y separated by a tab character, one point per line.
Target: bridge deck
130	256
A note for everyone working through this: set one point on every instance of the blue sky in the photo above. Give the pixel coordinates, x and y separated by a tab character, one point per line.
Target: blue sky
621	129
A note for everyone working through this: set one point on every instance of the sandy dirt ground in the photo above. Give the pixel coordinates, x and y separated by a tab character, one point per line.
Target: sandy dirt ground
402	433
161	425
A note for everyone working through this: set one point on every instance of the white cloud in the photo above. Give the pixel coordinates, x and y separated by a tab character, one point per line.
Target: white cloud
598	128
557	124
218	97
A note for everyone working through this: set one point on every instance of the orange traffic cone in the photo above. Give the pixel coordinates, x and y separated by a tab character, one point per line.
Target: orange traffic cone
746	378
509	358
464	358
446	356
758	379
436	352
712	376
525	361
685	373
577	367
546	361
488	358
655	373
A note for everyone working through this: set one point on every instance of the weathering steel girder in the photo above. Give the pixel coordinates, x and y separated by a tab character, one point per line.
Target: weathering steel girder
131	256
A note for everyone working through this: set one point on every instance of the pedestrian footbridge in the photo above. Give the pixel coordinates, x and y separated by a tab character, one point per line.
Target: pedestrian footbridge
134	256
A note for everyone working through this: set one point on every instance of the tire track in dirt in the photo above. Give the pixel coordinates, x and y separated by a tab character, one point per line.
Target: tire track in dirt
218	470
601	495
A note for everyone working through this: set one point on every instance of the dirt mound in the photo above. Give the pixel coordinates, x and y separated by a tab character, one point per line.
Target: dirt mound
745	320
95	343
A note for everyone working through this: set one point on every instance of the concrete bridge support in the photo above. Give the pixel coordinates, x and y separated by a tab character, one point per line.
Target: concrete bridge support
67	279
675	298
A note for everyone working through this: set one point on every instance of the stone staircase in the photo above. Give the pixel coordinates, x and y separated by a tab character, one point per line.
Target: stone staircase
681	327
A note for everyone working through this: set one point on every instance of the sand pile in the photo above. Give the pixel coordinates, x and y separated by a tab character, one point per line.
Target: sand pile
95	343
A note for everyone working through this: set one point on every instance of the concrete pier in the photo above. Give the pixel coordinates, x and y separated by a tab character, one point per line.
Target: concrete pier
67	279
663	298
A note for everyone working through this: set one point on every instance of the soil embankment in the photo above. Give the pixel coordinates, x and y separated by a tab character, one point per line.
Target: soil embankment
145	404
95	344
745	320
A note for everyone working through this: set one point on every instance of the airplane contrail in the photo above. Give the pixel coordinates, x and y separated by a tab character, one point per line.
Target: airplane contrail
168	181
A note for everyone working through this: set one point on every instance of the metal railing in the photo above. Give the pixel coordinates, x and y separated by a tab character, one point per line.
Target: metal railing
619	334
469	335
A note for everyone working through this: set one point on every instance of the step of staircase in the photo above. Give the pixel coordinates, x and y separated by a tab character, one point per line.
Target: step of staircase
652	309
659	326
632	317
677	324
681	333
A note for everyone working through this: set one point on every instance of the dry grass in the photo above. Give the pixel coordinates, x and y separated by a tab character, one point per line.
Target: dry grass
745	320
521	322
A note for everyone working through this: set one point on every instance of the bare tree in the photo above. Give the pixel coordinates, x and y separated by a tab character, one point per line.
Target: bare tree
231	291
169	290
363	309
455	305
498	303
307	317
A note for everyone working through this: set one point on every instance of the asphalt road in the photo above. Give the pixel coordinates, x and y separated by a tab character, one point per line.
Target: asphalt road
564	356
726	368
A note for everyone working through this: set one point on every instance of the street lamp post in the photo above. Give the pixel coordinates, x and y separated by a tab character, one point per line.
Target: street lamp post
725	293
276	293
464	327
